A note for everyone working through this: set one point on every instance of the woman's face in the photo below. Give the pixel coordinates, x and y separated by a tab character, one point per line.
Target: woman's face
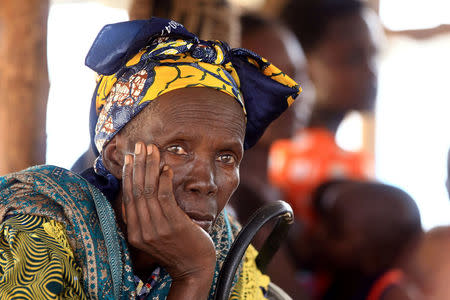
200	134
343	65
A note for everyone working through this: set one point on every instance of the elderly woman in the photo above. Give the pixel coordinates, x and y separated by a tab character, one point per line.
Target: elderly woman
171	117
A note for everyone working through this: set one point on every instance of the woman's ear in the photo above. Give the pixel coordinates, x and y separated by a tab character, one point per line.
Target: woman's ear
113	158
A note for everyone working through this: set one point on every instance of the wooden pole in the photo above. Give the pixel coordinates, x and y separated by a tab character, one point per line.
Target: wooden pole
24	83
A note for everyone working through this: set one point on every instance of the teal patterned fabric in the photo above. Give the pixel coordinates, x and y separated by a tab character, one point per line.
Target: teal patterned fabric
99	247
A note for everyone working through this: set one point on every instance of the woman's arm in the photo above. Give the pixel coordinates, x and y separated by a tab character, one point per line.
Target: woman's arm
194	286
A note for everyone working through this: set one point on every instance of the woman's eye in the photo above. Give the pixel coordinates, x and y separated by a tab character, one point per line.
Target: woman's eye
226	159
177	149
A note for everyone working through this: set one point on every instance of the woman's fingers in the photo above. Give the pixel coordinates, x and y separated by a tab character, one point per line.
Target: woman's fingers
166	198
149	221
151	183
130	214
139	172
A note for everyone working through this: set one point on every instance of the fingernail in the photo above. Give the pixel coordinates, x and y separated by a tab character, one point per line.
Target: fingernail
127	159
137	148
165	168
149	149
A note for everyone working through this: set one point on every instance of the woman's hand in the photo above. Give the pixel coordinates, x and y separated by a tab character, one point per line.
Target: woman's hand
160	228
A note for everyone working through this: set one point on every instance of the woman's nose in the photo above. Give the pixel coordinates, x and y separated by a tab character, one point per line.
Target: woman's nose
201	178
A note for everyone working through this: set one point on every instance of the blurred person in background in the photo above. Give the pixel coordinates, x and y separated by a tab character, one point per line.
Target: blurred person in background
428	270
275	42
299	165
278	44
361	233
341	40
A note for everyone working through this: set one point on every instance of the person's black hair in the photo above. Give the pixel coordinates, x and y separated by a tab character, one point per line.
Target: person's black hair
319	192
309	19
392	218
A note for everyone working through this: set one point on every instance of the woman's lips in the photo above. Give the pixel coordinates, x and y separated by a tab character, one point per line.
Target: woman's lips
206	225
205	221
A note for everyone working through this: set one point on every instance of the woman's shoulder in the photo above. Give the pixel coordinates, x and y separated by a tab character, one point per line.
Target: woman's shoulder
46	188
39	173
48	180
51	171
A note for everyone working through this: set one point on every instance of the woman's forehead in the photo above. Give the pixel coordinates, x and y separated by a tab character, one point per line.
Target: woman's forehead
204	109
205	100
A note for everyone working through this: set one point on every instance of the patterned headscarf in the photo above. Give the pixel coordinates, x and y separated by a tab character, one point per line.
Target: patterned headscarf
141	60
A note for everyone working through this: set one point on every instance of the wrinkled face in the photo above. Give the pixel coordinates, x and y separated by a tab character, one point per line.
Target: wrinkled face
343	65
200	134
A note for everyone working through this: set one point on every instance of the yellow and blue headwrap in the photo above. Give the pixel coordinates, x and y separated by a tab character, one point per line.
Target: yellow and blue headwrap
140	60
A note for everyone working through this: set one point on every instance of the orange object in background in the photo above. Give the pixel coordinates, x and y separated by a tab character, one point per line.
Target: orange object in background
297	166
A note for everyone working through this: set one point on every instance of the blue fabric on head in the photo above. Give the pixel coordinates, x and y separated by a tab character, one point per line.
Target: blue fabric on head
117	43
255	87
93	117
265	99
